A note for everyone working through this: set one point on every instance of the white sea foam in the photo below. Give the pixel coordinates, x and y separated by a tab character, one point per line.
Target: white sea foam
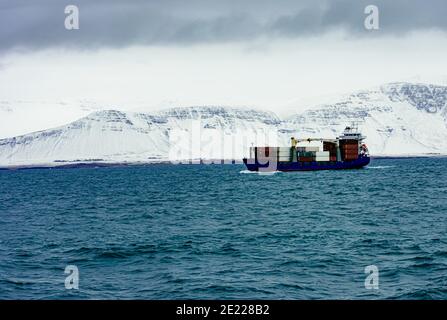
379	167
268	173
264	173
247	171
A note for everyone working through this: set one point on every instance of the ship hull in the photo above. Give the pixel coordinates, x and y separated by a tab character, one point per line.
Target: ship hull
309	166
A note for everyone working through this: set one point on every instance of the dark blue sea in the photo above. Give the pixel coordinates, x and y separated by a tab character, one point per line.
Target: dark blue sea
219	232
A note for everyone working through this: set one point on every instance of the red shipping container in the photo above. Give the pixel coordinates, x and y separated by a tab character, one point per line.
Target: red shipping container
306	159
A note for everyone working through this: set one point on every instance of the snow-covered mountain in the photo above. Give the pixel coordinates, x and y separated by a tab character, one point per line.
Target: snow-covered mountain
397	118
19	117
117	136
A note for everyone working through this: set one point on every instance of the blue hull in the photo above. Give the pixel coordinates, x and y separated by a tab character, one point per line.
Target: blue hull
311	166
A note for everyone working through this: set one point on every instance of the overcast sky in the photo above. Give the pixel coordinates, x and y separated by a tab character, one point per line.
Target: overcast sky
251	52
119	23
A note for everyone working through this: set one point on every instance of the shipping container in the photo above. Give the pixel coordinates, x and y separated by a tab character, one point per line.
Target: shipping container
306	159
285	154
307	154
327	146
307	149
312	149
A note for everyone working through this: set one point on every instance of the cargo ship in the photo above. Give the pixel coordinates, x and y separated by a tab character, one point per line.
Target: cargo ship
345	152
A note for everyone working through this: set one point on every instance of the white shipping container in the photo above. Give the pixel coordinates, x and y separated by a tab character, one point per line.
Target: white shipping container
322	154
283	158
312	149
322	158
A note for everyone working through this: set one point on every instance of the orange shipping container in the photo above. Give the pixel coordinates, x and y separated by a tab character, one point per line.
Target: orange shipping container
306	159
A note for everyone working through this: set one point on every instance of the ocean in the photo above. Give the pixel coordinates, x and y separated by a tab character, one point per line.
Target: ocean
221	232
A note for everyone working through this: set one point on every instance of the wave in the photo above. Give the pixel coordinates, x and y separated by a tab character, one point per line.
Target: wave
247	171
379	167
266	173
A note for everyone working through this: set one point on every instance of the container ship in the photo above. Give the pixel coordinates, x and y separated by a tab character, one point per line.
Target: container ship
345	152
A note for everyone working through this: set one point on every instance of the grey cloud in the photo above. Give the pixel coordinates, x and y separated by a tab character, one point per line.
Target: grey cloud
112	23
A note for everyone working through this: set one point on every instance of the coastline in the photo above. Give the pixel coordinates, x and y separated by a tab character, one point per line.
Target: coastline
107	164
